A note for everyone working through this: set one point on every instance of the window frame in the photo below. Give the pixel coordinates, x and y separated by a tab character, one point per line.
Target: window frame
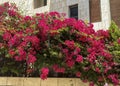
73	6
99	17
37	5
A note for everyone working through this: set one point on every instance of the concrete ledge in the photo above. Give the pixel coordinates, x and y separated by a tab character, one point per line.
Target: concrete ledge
19	81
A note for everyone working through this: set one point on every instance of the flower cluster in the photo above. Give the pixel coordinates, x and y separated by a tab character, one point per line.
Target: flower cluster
44	73
48	44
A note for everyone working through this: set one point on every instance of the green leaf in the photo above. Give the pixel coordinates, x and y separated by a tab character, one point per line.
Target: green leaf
4	69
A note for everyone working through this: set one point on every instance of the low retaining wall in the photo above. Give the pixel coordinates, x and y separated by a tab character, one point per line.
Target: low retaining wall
17	81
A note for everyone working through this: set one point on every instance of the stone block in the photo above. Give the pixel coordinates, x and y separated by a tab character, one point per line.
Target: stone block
49	82
32	81
66	82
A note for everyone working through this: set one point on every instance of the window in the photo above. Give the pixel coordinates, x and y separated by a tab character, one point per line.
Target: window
115	11
95	11
74	11
39	3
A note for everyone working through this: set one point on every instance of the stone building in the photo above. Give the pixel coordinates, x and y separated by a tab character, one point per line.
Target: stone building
98	12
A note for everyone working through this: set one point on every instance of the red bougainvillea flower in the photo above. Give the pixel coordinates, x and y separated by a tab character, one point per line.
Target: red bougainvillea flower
70	63
58	69
119	41
78	74
44	73
7	36
35	41
102	33
50	42
79	58
18	58
92	57
11	12
43	76
6	4
97	70
114	78
27	18
31	58
70	44
77	51
1	10
12	52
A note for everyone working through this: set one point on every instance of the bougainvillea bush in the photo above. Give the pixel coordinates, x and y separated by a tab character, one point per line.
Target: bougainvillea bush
50	45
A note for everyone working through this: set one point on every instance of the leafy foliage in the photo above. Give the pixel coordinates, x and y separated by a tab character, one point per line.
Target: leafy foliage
48	44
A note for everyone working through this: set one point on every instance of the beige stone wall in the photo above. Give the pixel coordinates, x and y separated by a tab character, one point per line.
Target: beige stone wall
27	6
16	81
106	16
62	6
83	11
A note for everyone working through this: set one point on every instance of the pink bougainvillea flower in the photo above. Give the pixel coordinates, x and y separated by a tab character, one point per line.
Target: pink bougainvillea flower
61	70
7	36
35	41
44	73
79	58
77	51
21	51
100	79
13	41
11	12
31	58
12	52
65	51
54	14
27	18
114	78
32	51
97	70
119	41
70	63
70	44
103	33
21	55
58	69
43	76
107	55
18	58
1	10
6	4
91	57
78	74
29	70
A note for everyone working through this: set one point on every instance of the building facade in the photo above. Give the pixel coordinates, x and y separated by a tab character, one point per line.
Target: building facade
98	12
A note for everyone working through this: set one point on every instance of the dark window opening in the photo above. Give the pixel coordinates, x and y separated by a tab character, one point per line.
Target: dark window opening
95	11
39	3
74	11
